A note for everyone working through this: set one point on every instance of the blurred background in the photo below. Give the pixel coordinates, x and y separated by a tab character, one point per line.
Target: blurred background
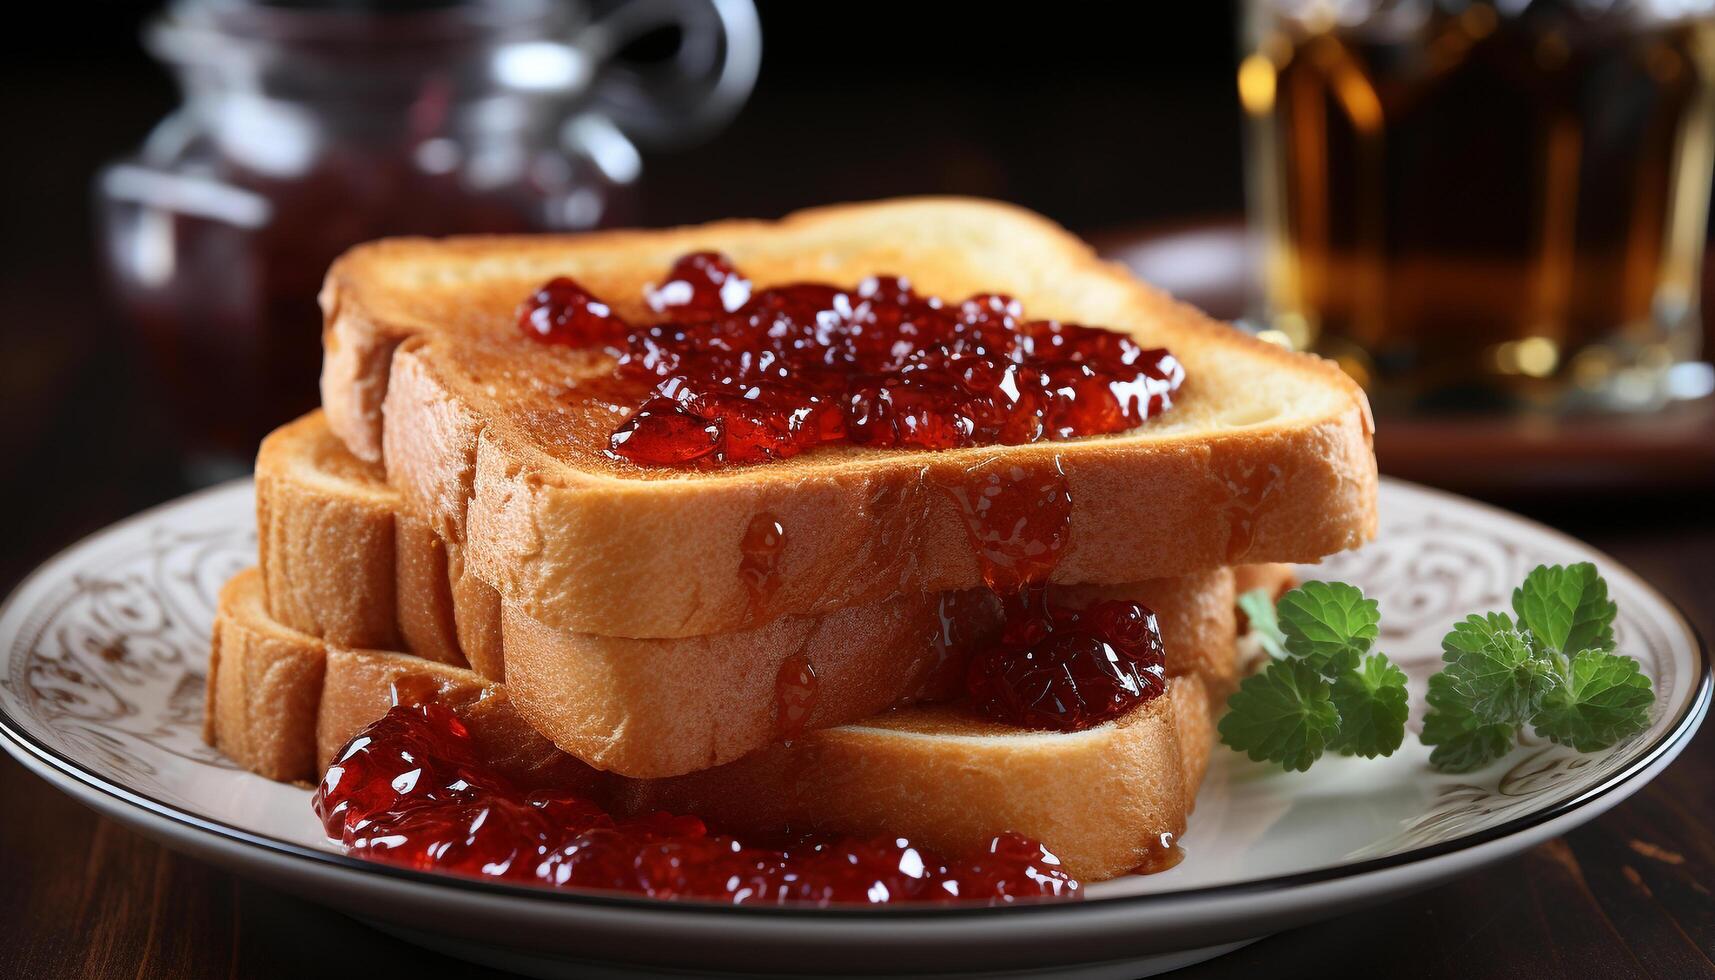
1493	216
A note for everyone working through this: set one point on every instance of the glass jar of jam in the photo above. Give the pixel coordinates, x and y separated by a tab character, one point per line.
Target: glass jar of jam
309	126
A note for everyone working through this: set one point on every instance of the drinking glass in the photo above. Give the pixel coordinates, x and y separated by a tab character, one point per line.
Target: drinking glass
1483	203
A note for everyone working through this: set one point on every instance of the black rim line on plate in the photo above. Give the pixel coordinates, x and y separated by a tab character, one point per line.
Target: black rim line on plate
1682	729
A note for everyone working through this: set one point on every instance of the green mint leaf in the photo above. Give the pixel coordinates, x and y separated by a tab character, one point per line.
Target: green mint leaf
1284	714
1504	680
1258	607
1604	699
1566	607
1372	705
1472	633
1462	741
1330	624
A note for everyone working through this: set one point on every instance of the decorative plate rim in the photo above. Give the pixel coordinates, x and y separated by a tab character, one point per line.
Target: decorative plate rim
26	747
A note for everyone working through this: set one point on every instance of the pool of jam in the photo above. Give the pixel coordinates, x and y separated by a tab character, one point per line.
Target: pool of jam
412	789
742	375
1065	669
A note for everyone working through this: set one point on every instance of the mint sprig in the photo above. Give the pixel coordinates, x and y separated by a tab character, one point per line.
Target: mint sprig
1462	741
1321	692
1371	701
1502	680
1283	714
1556	671
1329	623
1554	668
1566	607
1603	699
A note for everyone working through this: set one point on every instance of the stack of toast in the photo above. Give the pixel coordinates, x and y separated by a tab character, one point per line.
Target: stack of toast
770	645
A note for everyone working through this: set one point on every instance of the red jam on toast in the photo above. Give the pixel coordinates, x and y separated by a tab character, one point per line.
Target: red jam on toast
743	375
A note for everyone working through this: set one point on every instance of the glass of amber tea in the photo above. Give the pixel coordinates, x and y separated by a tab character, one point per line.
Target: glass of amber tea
1482	203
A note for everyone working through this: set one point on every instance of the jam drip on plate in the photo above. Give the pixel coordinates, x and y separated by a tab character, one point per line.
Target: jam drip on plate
743	375
412	789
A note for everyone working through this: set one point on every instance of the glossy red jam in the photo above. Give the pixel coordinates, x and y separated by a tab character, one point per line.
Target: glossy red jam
1053	667
412	789
560	312
1068	669
1018	520
742	375
796	689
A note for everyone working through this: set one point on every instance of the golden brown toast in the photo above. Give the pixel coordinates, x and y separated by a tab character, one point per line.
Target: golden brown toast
339	557
325	526
1272	579
264	685
282	703
667	707
500	442
332	530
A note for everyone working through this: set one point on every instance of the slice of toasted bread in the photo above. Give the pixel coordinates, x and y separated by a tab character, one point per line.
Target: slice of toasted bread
264	685
667	707
501	442
1100	798
283	703
325	533
642	707
340	559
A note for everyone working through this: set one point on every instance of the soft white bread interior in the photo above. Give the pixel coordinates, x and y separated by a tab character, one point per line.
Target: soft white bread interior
500	442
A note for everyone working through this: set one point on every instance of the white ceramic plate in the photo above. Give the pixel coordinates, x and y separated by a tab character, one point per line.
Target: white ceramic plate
102	653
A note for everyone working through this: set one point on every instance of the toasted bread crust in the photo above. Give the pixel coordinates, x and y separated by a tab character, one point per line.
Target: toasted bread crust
324	525
662	707
283	703
654	708
264	686
1266	458
932	775
339	556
